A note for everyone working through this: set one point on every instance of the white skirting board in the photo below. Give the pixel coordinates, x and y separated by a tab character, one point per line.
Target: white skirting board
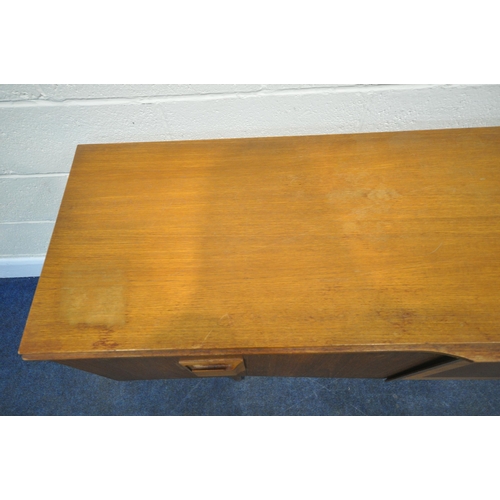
21	267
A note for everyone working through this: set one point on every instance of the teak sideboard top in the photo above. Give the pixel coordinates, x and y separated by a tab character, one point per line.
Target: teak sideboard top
335	243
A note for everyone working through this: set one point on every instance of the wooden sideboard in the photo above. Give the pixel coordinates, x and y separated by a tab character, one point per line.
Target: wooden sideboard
360	255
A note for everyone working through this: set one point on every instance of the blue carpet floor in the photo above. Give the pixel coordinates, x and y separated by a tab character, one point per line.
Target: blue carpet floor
45	388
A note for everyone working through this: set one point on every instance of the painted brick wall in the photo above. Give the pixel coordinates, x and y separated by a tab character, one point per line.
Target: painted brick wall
40	126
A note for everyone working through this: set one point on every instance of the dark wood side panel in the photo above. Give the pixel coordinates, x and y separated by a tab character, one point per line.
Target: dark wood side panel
335	365
471	371
424	370
132	368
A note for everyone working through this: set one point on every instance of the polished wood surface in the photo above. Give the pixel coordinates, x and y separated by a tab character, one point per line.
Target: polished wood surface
340	243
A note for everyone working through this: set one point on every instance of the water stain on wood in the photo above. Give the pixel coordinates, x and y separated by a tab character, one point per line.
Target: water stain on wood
103	306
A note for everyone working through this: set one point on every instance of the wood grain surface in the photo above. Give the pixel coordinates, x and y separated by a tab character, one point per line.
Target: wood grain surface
337	243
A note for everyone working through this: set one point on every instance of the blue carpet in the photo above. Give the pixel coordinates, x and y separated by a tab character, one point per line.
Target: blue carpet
45	388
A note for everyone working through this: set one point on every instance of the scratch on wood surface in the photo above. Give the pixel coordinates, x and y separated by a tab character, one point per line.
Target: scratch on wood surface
205	339
226	320
208	335
437	248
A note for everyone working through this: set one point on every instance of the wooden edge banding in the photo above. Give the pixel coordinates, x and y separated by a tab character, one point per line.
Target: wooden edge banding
473	352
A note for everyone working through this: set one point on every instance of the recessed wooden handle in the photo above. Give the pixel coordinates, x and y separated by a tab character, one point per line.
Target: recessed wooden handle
214	367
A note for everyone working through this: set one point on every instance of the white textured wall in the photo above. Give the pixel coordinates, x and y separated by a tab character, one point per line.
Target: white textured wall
40	126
